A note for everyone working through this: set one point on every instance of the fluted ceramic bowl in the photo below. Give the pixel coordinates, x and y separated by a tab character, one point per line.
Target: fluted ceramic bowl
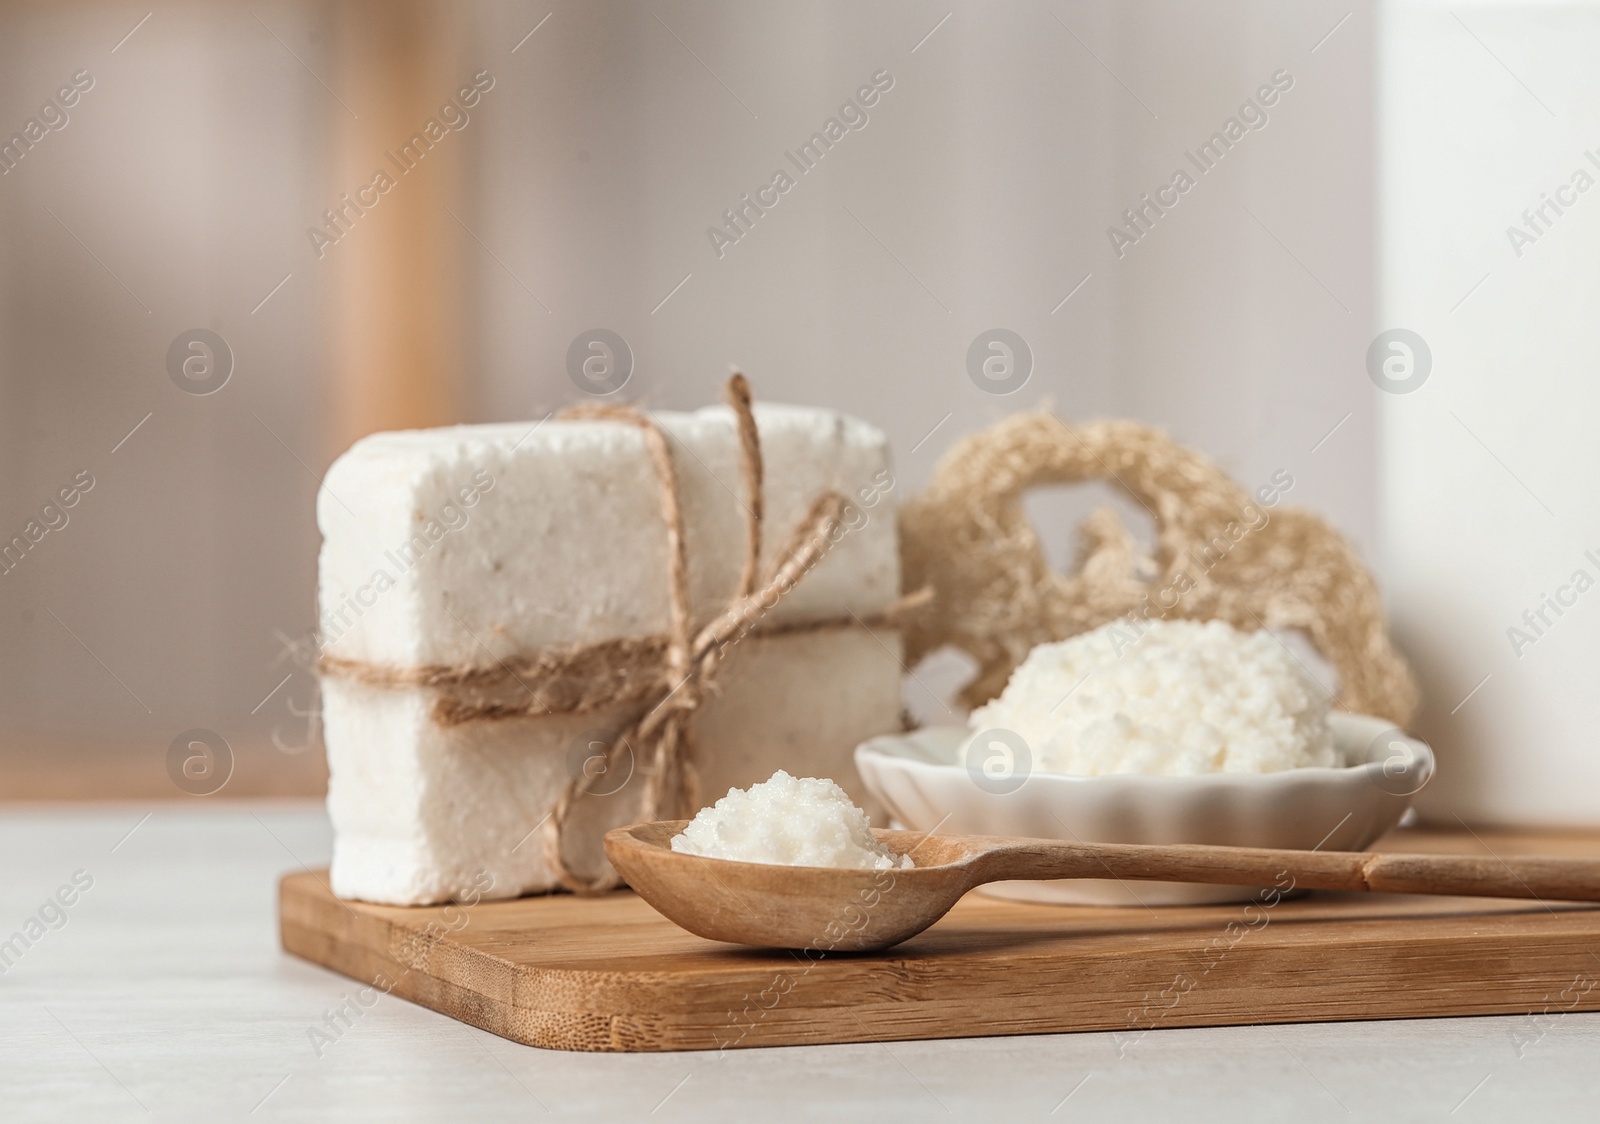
920	779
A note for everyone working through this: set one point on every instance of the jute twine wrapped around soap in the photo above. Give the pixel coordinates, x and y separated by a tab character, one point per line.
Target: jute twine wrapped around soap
1220	554
662	679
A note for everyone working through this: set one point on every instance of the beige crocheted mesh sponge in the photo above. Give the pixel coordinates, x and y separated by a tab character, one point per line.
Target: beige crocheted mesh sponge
1219	555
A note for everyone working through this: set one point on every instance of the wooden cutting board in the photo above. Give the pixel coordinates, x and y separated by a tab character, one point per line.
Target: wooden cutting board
610	973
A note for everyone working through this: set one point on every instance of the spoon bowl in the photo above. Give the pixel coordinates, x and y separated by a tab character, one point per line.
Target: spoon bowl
819	908
848	910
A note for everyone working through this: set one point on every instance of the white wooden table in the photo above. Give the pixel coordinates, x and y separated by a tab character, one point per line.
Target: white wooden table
163	995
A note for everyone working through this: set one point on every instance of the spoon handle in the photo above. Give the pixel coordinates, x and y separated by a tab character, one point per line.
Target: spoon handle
1560	879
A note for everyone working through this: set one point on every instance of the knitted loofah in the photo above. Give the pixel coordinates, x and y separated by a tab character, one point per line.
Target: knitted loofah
1219	555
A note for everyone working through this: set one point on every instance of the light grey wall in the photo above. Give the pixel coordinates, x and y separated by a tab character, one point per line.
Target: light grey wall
174	198
977	197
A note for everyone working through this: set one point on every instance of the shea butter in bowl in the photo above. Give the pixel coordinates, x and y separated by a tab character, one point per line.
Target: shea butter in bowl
1190	733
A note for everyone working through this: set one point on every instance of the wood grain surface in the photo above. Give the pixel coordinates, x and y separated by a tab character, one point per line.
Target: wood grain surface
611	974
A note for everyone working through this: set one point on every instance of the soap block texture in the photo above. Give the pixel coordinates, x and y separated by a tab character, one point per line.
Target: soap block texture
473	544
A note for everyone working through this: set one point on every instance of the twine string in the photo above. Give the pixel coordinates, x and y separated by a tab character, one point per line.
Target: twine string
661	680
665	731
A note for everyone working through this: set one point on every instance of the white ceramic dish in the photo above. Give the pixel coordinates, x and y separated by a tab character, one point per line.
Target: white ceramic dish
919	778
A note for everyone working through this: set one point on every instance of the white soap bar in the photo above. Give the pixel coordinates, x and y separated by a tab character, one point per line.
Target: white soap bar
464	545
564	542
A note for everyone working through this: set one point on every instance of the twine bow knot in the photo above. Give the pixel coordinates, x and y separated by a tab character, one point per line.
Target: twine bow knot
664	730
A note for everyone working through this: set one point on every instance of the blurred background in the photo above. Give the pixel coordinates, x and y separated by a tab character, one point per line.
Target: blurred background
192	331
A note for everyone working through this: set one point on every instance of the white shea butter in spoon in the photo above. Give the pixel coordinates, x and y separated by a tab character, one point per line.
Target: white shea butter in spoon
788	821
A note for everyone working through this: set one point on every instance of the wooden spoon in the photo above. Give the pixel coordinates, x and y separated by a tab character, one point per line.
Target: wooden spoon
837	910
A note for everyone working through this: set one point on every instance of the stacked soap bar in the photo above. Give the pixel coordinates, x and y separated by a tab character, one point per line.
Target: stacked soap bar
471	545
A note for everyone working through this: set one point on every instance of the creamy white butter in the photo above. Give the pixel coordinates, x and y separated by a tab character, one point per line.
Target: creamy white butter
788	821
1178	697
